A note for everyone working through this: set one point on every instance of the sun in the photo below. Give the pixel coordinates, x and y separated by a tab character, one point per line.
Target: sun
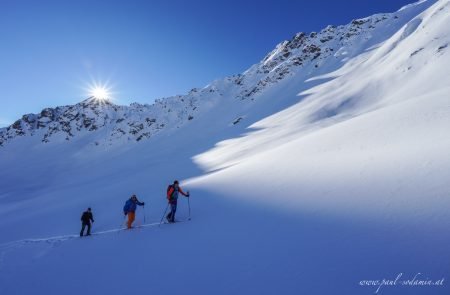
100	93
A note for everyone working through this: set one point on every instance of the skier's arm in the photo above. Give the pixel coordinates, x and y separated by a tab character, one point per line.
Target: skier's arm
92	217
183	193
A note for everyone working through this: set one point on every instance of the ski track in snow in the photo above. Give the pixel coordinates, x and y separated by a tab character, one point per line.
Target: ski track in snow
57	239
8	247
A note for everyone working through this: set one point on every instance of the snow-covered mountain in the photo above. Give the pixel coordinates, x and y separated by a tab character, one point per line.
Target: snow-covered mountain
309	54
110	122
322	169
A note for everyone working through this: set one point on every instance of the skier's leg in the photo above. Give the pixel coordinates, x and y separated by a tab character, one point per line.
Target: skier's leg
88	229
82	229
131	216
169	216
174	210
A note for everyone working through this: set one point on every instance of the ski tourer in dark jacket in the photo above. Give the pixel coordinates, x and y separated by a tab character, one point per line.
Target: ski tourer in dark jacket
86	219
130	209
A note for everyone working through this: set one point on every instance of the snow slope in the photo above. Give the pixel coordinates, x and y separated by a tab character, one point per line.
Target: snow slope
304	179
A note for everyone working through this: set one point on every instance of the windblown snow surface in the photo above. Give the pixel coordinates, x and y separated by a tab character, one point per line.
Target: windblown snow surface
328	182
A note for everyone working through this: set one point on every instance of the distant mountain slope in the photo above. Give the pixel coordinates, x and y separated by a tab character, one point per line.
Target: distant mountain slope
308	53
411	62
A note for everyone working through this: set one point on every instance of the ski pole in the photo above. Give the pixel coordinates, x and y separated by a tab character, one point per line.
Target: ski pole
144	213
122	223
189	206
162	218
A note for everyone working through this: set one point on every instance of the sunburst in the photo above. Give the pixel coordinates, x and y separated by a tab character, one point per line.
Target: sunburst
100	93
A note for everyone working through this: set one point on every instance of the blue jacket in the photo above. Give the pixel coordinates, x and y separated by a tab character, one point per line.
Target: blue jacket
130	206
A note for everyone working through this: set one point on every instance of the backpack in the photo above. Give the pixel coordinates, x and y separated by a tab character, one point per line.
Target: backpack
170	190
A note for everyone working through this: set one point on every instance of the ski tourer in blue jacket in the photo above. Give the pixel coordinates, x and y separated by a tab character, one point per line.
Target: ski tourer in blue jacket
130	209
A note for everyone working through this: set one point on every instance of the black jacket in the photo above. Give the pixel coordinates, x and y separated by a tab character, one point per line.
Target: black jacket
87	217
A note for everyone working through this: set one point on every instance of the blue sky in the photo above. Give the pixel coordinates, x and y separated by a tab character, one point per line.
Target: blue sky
51	51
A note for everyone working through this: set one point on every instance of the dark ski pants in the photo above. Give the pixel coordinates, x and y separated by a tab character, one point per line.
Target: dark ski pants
88	224
173	210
